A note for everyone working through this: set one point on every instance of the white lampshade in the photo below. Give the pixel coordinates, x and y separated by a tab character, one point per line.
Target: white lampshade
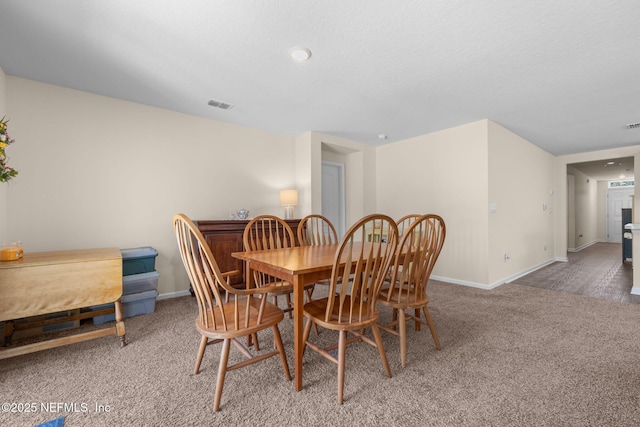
288	197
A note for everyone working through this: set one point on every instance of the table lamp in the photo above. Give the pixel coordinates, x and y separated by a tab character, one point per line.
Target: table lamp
288	199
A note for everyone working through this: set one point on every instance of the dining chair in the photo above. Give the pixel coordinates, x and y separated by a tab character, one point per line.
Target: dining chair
271	232
357	275
241	313
315	230
404	223
418	252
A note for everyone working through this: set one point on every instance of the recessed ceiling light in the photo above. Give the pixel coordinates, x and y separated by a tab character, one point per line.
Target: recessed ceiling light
300	53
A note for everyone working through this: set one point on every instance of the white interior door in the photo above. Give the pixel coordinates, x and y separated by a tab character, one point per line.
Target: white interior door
333	205
617	198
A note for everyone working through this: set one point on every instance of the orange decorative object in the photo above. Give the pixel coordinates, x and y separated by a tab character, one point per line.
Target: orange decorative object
11	253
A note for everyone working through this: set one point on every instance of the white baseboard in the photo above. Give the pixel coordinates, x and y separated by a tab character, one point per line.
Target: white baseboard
635	291
530	270
586	245
497	283
462	282
177	294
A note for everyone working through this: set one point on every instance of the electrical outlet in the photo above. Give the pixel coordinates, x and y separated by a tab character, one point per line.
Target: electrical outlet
507	256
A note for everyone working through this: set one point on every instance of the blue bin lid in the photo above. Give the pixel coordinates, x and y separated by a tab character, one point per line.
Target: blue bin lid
141	252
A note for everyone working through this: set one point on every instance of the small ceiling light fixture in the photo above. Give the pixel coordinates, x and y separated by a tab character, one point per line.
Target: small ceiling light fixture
382	136
300	54
633	125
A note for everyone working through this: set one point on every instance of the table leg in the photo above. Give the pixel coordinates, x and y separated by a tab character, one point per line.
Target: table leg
120	323
298	301
248	279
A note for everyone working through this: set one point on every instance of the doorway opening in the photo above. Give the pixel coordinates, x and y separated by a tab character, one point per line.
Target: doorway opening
333	195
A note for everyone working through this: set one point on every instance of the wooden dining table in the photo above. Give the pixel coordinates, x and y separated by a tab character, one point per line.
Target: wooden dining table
299	265
43	283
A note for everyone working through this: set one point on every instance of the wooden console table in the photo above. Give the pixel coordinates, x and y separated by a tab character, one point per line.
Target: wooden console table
225	237
50	282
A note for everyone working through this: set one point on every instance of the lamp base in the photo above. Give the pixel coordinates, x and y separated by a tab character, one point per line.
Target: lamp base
288	212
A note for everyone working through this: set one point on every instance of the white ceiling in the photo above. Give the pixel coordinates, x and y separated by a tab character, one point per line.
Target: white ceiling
561	74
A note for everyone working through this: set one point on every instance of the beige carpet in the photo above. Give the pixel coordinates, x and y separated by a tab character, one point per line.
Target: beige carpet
514	356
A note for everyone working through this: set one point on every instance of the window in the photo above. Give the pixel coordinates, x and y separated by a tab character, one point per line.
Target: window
622	183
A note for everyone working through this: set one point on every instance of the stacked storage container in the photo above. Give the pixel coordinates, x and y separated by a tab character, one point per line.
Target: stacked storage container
139	284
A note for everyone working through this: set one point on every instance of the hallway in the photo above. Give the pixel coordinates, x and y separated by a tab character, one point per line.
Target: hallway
596	271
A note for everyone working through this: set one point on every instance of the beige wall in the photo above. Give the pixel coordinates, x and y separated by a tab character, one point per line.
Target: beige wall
445	173
521	187
585	210
459	173
97	172
303	176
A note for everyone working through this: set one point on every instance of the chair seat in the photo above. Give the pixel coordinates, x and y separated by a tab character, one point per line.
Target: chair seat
271	316
281	288
406	300
318	308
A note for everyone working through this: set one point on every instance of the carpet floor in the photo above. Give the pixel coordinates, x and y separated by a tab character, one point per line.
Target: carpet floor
513	356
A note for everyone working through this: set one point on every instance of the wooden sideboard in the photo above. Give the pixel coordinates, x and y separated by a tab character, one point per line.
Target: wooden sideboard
225	237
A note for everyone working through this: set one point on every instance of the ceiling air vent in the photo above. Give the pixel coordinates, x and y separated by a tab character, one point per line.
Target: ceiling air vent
220	104
633	125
